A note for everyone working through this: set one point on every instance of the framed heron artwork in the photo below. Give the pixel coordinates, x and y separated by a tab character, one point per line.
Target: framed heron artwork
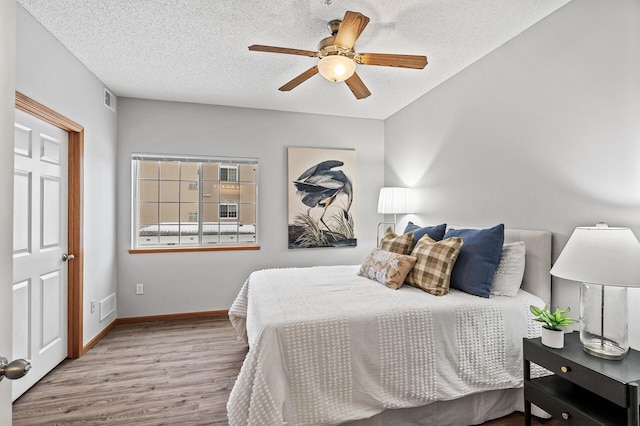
321	191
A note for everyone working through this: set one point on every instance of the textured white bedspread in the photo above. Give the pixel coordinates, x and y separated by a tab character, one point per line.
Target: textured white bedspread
327	346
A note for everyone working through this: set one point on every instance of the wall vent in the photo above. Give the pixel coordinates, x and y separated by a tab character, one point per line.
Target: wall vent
107	306
109	100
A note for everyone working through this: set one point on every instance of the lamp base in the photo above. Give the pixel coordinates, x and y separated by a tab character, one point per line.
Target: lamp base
603	349
378	230
603	336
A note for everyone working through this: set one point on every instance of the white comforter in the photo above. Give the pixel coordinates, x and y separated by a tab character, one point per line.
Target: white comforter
327	346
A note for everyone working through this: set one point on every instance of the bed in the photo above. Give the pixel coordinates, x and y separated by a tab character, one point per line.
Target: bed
327	346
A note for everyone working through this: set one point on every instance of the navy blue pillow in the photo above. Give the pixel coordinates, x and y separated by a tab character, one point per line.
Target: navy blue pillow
435	232
478	259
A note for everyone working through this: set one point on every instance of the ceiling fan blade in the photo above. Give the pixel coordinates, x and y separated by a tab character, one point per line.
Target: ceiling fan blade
358	88
273	49
391	60
300	79
351	27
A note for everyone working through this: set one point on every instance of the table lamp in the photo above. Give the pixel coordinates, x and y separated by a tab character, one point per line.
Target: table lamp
393	200
606	260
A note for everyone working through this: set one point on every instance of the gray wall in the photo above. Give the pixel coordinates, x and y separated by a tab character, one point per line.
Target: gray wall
7	117
542	133
202	281
50	74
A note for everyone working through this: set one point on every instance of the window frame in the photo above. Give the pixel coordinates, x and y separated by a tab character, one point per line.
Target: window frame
202	244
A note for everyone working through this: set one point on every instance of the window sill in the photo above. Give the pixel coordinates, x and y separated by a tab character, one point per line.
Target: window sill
191	249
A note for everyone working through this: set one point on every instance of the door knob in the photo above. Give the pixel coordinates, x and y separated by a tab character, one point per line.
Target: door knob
66	257
14	369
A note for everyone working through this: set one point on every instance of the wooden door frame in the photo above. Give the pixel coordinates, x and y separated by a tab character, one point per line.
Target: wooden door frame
75	196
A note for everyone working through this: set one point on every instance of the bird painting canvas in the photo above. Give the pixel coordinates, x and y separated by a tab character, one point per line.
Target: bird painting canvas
321	197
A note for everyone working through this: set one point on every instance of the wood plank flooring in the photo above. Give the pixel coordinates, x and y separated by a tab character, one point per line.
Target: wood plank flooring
163	373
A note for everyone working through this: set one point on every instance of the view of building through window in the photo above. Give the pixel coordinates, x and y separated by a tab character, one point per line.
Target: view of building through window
194	201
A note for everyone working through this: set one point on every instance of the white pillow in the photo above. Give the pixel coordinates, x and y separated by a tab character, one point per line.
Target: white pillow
508	276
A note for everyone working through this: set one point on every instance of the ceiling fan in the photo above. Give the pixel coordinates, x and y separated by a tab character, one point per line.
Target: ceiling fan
338	58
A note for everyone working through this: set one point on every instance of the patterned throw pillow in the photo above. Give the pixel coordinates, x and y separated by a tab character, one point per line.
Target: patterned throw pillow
401	244
510	271
434	262
387	268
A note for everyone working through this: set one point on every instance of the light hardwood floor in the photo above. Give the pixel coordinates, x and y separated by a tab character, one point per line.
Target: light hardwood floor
170	372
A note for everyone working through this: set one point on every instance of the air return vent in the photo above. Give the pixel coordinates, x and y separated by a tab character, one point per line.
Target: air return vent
107	306
109	100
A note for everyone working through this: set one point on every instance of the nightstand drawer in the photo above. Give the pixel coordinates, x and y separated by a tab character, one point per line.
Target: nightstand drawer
585	377
571	405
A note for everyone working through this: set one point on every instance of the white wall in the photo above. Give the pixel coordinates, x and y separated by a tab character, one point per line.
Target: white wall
48	73
7	118
203	281
542	133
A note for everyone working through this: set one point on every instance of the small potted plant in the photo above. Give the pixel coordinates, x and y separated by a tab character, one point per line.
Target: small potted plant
552	334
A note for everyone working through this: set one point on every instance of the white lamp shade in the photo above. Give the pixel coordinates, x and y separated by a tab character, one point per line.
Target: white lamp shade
394	200
336	68
600	255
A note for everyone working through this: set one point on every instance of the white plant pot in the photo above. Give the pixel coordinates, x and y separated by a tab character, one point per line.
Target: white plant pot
553	338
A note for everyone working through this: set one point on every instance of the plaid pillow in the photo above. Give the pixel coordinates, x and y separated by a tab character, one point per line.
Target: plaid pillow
435	260
386	267
401	244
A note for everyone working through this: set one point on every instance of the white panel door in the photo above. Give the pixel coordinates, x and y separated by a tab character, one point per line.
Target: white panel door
39	242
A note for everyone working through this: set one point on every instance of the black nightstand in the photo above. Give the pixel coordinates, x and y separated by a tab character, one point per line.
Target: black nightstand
584	390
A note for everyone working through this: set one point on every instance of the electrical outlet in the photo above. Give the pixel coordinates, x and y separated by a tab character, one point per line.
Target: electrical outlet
93	306
139	288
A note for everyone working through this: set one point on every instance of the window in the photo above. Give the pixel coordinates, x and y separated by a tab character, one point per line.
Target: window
228	211
228	173
193	201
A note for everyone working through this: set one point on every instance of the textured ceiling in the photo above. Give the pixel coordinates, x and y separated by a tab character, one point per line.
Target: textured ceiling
196	50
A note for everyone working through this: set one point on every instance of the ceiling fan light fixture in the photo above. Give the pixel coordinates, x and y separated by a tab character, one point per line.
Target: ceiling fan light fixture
336	68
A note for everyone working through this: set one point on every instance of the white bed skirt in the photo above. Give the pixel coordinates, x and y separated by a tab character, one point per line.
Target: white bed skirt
472	409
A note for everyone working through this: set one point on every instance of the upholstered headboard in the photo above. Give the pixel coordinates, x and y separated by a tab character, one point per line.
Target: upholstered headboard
537	279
